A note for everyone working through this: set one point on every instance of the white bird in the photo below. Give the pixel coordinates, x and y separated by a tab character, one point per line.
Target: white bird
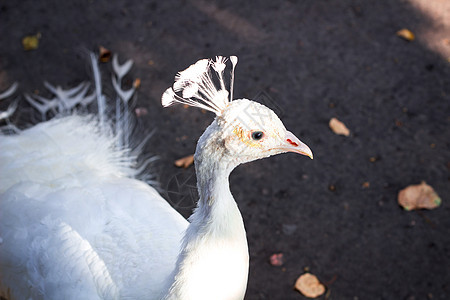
74	224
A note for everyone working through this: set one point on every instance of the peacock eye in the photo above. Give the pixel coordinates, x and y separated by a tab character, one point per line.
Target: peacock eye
257	135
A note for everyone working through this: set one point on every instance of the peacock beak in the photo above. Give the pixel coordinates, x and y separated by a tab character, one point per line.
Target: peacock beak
293	144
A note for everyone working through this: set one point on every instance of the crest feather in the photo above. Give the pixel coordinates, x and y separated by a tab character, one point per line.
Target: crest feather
202	85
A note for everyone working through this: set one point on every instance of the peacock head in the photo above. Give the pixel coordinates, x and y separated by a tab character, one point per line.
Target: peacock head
250	131
243	130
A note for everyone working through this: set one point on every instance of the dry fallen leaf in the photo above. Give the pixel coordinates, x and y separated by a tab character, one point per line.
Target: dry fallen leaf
104	54
398	123
31	42
309	285
183	138
406	34
137	83
418	196
276	259
338	127
185	162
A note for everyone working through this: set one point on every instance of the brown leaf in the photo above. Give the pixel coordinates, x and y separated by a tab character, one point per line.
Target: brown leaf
398	123
406	34
338	127
137	83
276	259
104	54
309	285
418	196
31	42
183	138
185	162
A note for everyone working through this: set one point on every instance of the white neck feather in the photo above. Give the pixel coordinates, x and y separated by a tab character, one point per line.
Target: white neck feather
213	261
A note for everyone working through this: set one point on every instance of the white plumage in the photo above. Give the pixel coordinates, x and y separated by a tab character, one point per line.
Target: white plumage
74	224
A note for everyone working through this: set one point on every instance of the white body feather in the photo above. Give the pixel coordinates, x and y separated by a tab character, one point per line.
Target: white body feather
73	225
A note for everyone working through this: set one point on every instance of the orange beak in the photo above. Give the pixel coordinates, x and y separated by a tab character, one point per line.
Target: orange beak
293	144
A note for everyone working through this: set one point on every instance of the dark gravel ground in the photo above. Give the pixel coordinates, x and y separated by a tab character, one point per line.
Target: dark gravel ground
311	60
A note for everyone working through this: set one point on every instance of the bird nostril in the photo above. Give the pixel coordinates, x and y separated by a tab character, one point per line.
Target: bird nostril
292	143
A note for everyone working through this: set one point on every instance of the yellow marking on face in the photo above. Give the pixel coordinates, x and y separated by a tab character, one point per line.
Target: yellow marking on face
244	137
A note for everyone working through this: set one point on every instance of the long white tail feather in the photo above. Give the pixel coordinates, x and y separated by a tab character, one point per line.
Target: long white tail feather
5	115
9	111
10	91
41	104
122	99
95	132
101	103
121	70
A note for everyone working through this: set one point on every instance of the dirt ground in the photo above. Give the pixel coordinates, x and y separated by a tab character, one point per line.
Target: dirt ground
337	215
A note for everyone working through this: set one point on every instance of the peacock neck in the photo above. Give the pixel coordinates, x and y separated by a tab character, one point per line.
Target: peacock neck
216	210
214	190
214	250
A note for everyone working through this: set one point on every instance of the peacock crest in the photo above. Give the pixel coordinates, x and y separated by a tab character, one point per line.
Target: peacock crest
203	85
